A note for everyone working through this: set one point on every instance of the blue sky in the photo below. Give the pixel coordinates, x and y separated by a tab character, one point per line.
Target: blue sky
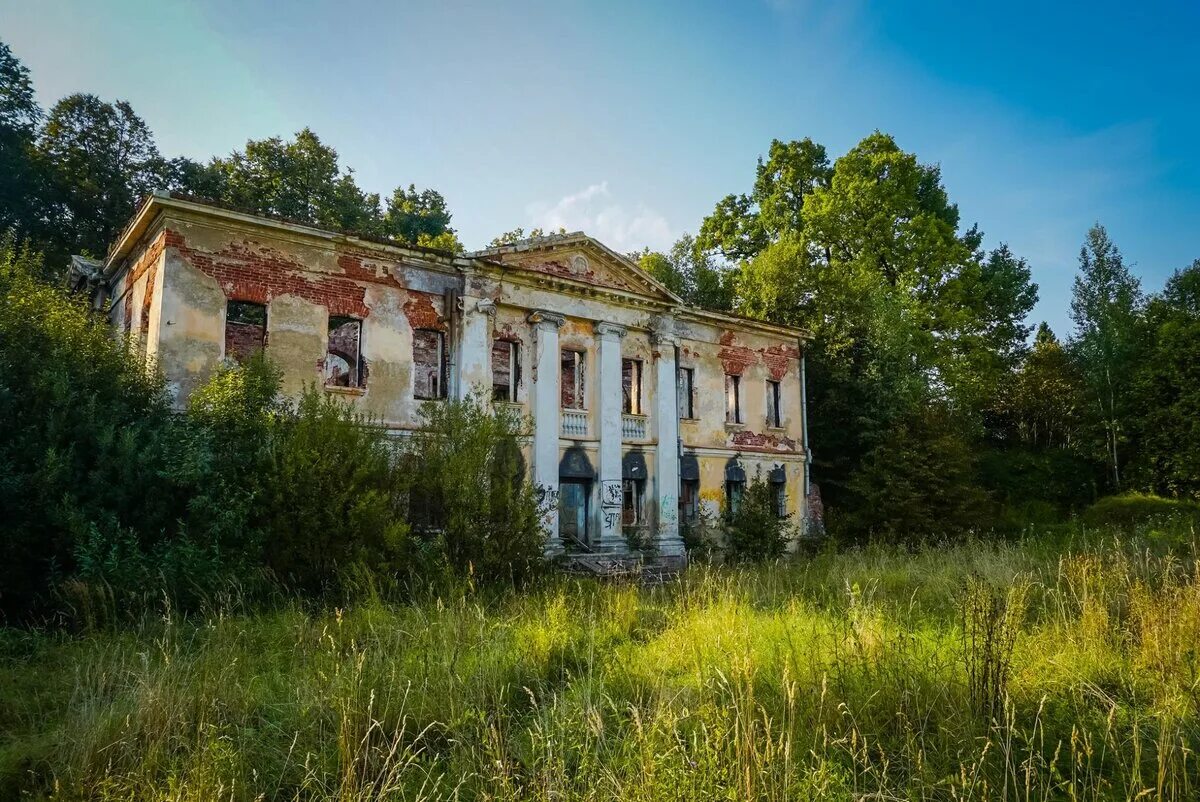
631	119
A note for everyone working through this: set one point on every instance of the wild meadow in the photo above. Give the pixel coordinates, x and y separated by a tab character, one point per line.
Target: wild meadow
1055	666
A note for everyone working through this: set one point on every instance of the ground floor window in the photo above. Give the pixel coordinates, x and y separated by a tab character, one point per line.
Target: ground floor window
689	501
343	356
245	329
733	495
779	498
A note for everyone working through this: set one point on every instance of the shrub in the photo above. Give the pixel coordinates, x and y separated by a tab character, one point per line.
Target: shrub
332	502
754	530
469	491
1130	509
86	456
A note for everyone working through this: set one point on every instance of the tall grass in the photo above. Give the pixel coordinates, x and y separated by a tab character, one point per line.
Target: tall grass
1014	671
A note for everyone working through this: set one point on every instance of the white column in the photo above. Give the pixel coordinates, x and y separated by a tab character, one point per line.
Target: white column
666	455
609	337
475	347
547	425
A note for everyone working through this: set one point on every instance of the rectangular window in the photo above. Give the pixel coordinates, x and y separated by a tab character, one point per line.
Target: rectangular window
773	415
689	501
733	496
685	392
429	364
779	496
343	356
572	379
631	386
506	371
245	329
631	501
733	399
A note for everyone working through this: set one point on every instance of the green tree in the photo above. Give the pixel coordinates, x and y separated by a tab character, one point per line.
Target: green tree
20	115
1105	305
743	225
420	217
754	530
298	180
691	274
1164	416
101	159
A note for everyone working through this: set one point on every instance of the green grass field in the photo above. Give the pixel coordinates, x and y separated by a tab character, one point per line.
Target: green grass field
980	671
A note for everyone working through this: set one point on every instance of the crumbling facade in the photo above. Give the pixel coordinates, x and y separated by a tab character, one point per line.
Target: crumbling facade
646	413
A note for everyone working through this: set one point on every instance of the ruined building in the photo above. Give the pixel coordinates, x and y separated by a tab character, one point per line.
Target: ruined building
645	411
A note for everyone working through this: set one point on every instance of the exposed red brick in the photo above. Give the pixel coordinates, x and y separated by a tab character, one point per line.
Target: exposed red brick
735	358
421	312
754	441
778	358
250	272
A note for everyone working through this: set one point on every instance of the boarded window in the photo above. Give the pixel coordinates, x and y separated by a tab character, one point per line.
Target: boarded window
631	501
733	399
343	357
684	392
429	364
774	418
506	371
571	384
631	386
245	329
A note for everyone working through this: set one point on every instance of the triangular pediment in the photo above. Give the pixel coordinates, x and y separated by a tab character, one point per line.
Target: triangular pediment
581	258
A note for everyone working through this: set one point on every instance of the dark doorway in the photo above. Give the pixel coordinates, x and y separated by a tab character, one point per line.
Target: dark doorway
573	512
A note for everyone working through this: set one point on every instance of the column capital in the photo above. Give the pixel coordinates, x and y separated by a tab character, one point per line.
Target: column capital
486	306
545	320
664	338
606	329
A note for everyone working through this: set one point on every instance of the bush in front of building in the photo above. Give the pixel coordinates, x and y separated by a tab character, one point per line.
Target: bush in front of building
470	496
754	530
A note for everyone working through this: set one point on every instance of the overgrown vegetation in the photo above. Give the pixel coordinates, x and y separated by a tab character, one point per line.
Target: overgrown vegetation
1053	668
106	493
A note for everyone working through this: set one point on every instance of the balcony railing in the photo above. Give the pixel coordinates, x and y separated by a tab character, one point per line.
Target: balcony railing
633	427
574	423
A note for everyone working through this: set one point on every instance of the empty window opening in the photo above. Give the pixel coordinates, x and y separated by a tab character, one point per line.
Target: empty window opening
572	379
506	371
685	392
429	364
631	386
633	491
774	418
343	356
245	329
733	399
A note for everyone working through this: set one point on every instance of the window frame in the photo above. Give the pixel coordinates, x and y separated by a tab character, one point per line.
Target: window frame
440	390
266	312
686	380
689	501
774	402
631	404
355	379
633	496
514	370
579	377
733	393
734	491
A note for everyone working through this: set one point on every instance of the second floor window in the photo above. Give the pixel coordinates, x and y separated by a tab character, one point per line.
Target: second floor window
685	394
429	364
245	329
733	399
631	386
343	355
774	417
572	377
506	371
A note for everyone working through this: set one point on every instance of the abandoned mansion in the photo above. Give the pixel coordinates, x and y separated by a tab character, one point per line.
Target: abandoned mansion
645	413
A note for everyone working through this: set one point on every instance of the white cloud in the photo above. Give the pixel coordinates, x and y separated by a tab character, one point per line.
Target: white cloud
594	211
